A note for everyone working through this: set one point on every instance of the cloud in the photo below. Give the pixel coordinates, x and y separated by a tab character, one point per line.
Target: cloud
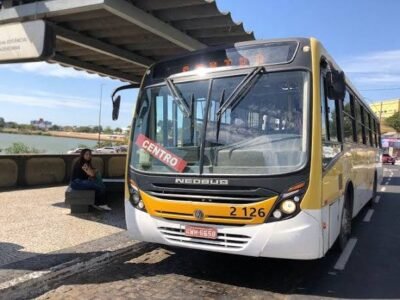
48	100
51	70
376	69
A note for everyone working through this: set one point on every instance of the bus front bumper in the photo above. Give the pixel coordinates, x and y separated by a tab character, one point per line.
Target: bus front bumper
296	238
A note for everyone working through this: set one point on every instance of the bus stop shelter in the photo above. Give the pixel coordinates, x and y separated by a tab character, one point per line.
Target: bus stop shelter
121	38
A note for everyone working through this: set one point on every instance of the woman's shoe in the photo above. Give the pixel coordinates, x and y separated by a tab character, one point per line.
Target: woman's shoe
105	207
96	207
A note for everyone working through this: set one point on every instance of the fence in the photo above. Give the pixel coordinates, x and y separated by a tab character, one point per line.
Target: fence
45	170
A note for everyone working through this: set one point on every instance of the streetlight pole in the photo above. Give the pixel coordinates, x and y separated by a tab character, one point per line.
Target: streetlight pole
100	100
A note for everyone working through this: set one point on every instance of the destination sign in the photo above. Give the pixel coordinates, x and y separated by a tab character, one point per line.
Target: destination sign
162	154
272	53
28	41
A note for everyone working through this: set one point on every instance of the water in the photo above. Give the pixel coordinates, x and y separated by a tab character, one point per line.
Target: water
47	144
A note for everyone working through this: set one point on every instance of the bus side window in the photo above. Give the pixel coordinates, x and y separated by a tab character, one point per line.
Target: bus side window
329	123
348	119
324	131
360	128
375	135
366	127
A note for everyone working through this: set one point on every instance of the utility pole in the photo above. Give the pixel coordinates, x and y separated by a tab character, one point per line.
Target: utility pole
100	100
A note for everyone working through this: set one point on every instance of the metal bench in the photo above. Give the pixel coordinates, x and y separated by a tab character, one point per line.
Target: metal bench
80	200
114	184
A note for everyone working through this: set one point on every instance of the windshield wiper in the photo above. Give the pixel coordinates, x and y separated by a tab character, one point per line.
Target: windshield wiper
240	90
178	97
221	102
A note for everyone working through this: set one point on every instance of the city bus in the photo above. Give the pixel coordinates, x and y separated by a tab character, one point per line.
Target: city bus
260	148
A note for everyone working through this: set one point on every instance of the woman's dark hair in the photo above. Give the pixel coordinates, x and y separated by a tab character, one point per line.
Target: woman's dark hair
82	160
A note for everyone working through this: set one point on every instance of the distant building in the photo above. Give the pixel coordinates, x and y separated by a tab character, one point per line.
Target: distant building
41	124
386	108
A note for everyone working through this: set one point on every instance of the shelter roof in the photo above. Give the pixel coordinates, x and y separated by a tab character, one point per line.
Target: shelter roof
121	38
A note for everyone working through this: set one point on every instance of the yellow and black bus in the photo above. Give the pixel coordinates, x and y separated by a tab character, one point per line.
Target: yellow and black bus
260	148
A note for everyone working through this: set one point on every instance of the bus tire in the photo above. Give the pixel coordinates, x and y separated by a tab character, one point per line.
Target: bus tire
345	223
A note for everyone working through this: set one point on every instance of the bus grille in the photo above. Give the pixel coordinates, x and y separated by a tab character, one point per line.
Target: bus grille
207	198
224	240
210	194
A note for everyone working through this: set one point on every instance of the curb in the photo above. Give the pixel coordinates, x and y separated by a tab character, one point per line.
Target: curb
36	283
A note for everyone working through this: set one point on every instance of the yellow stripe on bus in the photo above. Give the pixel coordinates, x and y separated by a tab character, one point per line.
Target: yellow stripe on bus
249	213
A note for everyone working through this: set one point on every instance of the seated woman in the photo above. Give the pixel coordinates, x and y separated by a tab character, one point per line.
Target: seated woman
85	177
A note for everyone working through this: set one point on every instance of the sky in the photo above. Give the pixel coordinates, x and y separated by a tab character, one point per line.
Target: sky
363	36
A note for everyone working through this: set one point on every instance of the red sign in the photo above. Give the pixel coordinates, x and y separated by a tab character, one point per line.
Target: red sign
162	154
201	232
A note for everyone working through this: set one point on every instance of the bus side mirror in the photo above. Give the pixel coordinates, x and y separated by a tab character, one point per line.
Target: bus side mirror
117	100
336	84
116	103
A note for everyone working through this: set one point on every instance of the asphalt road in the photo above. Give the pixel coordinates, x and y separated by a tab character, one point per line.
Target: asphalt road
372	269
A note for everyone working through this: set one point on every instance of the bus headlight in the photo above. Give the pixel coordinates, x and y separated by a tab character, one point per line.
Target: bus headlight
288	207
135	197
136	200
288	204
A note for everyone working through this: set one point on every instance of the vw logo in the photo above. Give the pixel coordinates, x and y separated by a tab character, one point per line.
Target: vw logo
198	214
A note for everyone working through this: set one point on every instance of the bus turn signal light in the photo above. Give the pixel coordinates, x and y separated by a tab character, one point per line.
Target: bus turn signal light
297	187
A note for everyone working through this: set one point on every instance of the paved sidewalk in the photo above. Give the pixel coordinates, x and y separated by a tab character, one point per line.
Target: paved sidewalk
38	231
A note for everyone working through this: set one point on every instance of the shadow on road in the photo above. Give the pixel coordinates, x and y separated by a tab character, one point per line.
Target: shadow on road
365	276
115	218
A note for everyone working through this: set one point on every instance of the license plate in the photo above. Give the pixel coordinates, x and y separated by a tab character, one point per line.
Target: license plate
201	232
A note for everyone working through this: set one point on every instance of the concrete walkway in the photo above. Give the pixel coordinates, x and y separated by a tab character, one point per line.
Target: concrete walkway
38	231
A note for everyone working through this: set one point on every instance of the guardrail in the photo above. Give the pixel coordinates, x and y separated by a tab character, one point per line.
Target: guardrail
46	170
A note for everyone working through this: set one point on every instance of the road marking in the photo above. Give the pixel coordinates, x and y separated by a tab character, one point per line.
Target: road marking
383	189
377	198
368	215
344	257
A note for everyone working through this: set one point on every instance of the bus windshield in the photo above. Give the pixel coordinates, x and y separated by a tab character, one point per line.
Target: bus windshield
262	131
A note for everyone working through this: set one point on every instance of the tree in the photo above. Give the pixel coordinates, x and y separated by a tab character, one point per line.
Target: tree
96	129
85	129
394	121
21	148
11	125
119	130
2	122
108	130
55	127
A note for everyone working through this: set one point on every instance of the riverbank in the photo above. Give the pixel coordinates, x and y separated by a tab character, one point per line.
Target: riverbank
68	134
88	136
45	144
